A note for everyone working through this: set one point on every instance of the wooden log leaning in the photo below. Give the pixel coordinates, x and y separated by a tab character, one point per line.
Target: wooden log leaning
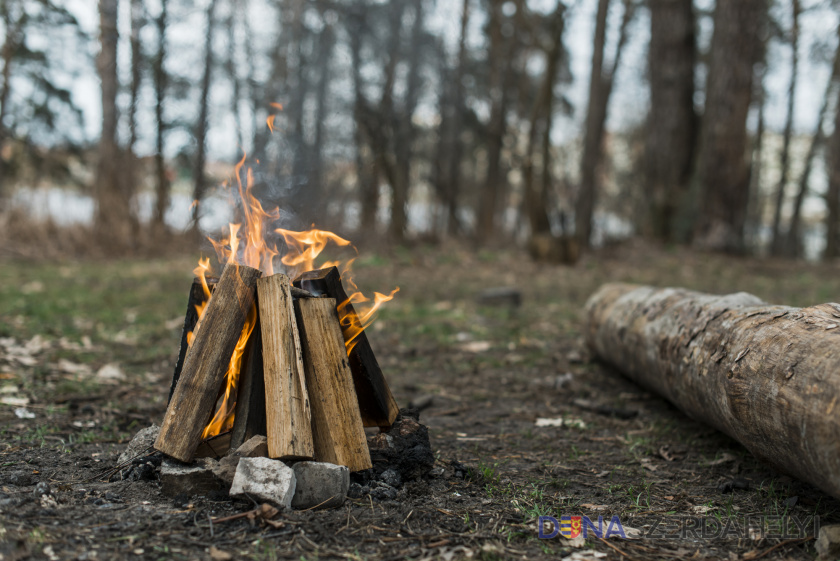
289	419
196	298
377	404
218	330
337	431
768	376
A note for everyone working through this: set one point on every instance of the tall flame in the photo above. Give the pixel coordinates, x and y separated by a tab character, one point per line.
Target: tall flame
246	242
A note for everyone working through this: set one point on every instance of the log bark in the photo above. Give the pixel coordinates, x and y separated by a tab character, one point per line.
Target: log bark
196	298
768	376
337	431
205	365
289	419
377	404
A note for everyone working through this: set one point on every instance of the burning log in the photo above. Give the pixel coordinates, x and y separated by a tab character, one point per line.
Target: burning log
768	376
250	413
377	405
215	338
197	300
287	402
337	430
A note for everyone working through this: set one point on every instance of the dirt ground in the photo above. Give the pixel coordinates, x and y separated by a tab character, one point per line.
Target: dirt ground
86	350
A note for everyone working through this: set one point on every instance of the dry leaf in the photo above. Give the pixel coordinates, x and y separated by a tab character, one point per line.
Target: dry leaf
219	555
110	374
647	463
725	457
476	346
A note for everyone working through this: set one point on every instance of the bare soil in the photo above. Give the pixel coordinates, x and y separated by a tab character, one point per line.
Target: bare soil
491	372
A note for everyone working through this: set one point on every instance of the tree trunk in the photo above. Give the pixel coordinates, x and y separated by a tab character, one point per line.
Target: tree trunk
405	133
500	61
671	127
765	375
453	173
755	208
316	188
233	76
540	121
367	185
600	88
199	179
794	242
162	186
724	170
11	30
776	246
832	202
137	22
113	219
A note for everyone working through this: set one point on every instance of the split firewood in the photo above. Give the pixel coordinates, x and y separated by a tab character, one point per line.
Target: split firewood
376	403
337	431
206	363
289	419
250	415
768	376
196	298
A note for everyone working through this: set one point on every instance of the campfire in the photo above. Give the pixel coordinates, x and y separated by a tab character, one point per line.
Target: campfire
276	353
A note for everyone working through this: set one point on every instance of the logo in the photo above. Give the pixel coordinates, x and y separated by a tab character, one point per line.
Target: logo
573	526
570	526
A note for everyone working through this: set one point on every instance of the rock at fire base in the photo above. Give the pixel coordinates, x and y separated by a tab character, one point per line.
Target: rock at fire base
320	484
141	442
196	478
404	447
254	447
828	543
264	480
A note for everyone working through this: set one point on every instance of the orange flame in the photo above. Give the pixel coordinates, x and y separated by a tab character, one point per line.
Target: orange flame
305	247
246	243
222	421
354	323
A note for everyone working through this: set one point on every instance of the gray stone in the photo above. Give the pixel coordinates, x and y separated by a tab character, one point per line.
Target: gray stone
226	469
264	480
42	488
144	439
196	478
320	484
828	542
254	447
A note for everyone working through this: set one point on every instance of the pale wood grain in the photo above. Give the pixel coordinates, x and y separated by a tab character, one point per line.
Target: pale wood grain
337	430
288	416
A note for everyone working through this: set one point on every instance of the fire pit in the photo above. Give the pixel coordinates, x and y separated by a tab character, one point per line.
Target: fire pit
276	367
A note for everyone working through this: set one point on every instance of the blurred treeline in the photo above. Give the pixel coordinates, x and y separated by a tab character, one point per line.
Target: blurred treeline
395	122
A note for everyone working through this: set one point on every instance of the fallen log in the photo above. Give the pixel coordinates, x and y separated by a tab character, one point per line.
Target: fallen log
768	376
216	336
